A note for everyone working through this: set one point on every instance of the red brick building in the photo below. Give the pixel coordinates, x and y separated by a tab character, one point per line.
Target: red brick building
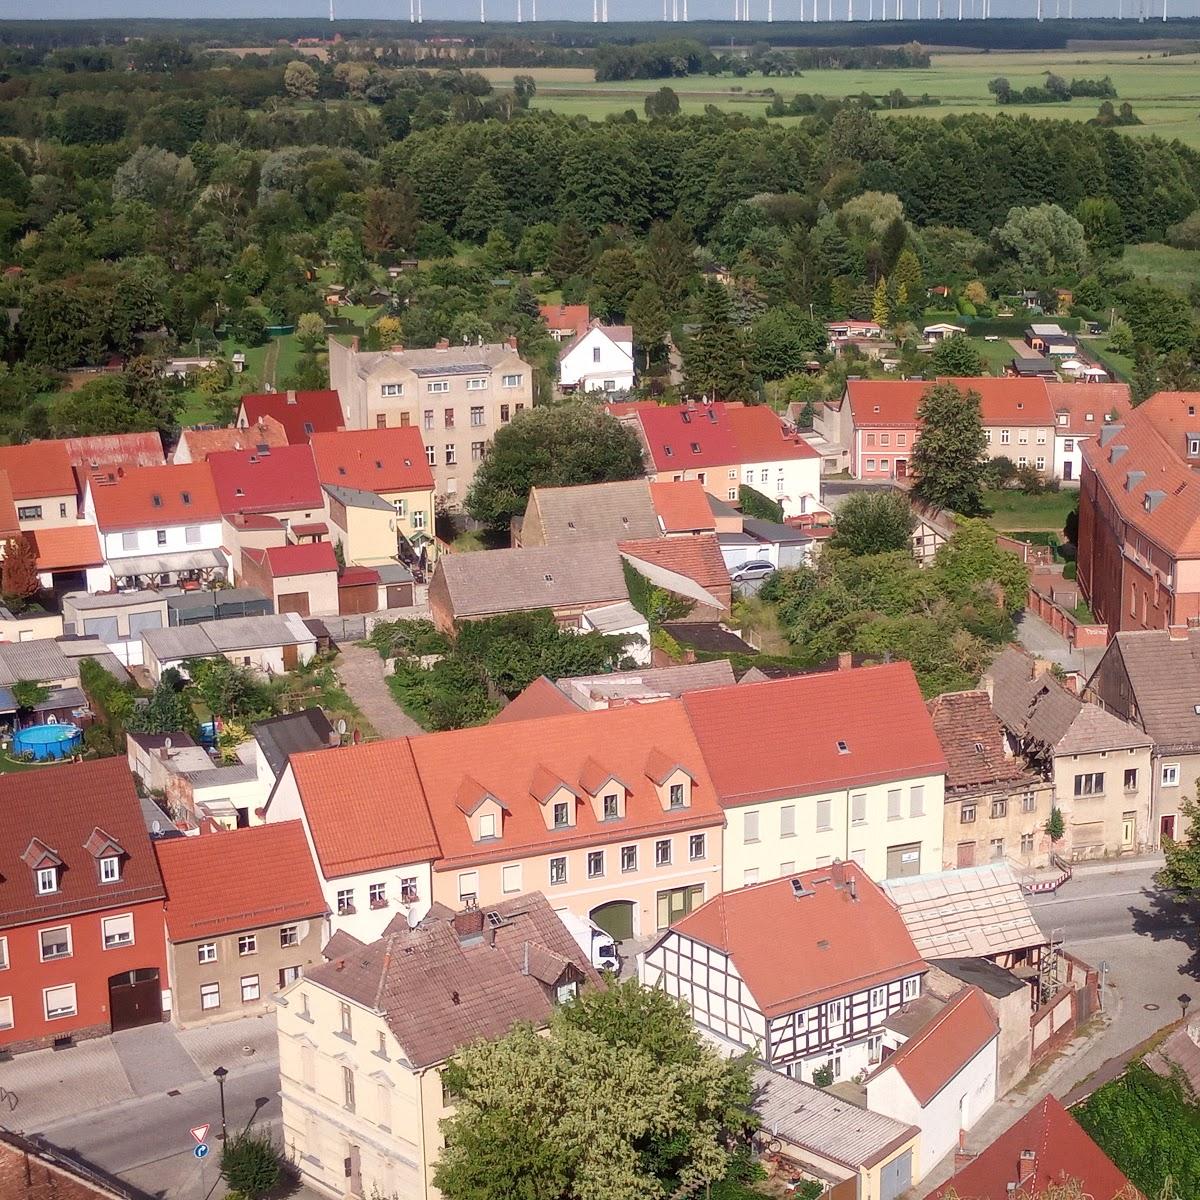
82	943
1139	516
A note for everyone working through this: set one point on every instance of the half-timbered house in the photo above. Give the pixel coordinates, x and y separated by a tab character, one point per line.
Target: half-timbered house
804	970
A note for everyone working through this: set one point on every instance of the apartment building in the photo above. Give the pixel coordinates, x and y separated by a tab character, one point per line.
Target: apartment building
457	396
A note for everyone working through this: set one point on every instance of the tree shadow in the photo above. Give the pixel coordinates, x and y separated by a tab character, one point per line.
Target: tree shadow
1163	916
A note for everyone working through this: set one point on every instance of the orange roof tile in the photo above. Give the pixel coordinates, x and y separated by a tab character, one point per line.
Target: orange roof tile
681	507
8	510
797	724
698	558
1063	1153
266	431
1088	406
38	469
365	807
575	317
761	436
68	547
146	497
504	759
932	1057
238	880
374	460
1003	400
796	948
540	699
272	481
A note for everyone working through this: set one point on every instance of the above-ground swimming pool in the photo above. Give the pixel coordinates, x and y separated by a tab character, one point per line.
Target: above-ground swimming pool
47	741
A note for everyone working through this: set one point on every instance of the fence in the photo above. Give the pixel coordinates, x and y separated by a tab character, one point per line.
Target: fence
1081	635
357	626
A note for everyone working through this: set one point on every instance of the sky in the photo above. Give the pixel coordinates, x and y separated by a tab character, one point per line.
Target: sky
502	10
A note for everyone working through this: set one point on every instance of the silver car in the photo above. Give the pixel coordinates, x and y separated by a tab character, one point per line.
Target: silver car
755	568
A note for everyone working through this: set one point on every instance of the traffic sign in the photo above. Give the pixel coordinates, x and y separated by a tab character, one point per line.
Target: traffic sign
200	1151
200	1133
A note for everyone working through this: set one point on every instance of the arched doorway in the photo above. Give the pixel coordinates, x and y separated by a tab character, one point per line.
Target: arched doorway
615	918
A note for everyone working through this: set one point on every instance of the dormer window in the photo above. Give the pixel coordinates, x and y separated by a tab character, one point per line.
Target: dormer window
1064	418
1193	447
110	869
612	806
562	815
47	880
487	825
677	798
186	497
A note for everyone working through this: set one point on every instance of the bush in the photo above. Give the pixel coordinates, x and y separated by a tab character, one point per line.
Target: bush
823	1075
1030	480
1071	570
755	504
250	1164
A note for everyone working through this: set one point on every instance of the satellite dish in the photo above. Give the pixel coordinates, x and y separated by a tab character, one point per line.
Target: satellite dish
167	743
341	725
156	827
413	919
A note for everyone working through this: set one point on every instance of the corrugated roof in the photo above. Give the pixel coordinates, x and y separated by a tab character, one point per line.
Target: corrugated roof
806	938
649	683
240	879
824	1123
977	911
796	726
206	638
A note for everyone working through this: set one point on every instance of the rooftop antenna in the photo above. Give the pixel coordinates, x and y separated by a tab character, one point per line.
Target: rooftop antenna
518	12
331	12
482	12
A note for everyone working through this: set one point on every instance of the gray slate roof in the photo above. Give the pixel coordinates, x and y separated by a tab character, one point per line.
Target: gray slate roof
823	1123
46	659
207	638
594	512
1164	674
1038	707
438	991
454	360
356	497
499	581
279	737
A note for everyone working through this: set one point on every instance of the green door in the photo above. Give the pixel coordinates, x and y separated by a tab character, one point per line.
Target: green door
616	919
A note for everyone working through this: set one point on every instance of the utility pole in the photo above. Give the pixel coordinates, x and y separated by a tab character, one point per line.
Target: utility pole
331	11
518	12
482	12
771	10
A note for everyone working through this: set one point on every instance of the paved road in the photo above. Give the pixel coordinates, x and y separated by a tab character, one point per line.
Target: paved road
361	671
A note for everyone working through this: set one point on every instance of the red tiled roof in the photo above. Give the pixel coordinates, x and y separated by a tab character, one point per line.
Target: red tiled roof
63	807
185	494
357	577
8	510
505	759
935	1054
1063	1153
681	507
310	558
1154	439
310	529
374	460
278	480
796	724
67	547
698	558
1088	406
266	431
540	699
300	413
575	317
365	807
972	740
238	879
109	451
761	436
794	951
683	436
1003	400
38	469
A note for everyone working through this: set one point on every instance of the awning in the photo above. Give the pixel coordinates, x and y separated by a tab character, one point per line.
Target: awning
162	564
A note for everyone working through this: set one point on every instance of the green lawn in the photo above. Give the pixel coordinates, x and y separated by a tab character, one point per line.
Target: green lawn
1118	365
1163	264
996	355
1164	91
1013	510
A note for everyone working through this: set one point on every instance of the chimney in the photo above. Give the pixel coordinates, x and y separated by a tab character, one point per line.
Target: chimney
837	873
468	924
845	660
1026	1166
398	348
334	739
852	887
511	343
291	397
962	1155
1178	633
443	344
354	344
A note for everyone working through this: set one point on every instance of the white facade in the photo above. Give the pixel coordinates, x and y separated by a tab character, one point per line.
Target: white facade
963	1100
598	362
845	1034
794	483
349	896
1068	456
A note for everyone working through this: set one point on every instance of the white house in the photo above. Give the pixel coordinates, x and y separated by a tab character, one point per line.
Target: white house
621	620
803	970
1081	411
370	869
942	1079
598	360
158	525
940	330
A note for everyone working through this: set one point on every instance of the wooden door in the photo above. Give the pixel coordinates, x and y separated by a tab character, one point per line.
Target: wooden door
1128	831
293	602
966	855
134	998
291	657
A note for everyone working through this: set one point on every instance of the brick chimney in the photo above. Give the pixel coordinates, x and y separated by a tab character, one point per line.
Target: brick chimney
511	343
1178	633
845	660
443	344
962	1155
1026	1166
468	924
354	344
837	873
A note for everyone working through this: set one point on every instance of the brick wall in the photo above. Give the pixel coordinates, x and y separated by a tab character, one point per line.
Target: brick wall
27	1173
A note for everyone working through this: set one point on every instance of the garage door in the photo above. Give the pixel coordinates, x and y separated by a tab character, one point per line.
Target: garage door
616	919
134	998
896	1178
293	602
904	860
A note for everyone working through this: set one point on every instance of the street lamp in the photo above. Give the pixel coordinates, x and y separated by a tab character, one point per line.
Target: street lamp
220	1074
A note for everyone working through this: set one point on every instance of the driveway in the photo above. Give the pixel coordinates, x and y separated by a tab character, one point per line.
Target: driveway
361	671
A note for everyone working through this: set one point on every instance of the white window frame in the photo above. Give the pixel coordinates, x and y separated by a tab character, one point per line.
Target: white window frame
210	996
3	954
911	988
289	935
247	944
206	952
42	956
510	381
391	389
595	858
110	869
476	385
438	386
60	1015
468	884
250	983
47	876
119	942
697	847
662	852
6	1012
507	873
558	870
1170	775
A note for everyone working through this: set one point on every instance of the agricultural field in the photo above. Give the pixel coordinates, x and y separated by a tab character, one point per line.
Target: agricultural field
1164	90
1163	264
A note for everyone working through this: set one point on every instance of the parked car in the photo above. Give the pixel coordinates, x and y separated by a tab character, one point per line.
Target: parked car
755	568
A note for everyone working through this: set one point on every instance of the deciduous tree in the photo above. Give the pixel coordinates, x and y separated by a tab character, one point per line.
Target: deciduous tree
874	523
956	356
947	459
18	572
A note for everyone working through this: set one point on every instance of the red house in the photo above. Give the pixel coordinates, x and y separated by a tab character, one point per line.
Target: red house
82	943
